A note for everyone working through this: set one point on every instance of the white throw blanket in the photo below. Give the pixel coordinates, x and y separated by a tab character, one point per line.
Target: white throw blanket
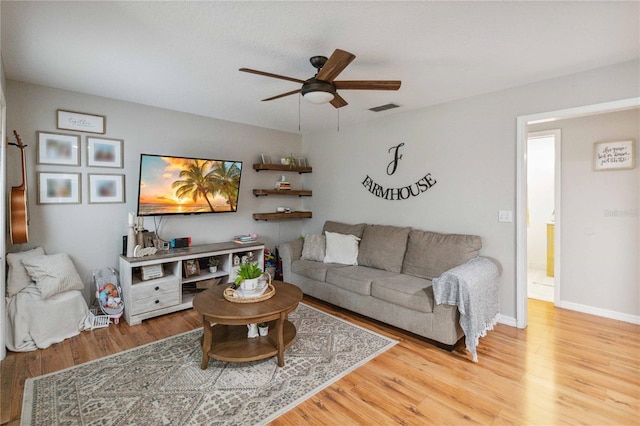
473	287
38	323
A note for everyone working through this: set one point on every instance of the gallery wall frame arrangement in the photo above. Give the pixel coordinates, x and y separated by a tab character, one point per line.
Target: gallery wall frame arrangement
106	188
614	155
59	188
105	152
81	122
58	148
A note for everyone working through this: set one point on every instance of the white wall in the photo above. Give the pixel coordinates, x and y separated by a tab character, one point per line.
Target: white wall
92	233
600	216
469	146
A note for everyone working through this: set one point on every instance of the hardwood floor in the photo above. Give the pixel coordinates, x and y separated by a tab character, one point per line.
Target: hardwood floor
565	368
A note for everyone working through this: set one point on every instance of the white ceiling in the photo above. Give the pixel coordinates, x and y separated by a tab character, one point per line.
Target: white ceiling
185	56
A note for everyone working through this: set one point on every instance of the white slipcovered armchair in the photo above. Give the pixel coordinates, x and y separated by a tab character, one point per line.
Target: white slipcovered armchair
43	299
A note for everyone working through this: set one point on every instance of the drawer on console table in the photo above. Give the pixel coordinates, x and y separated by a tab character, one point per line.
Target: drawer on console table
154	295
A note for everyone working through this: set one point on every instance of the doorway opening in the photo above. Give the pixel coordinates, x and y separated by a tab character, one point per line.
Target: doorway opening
543	195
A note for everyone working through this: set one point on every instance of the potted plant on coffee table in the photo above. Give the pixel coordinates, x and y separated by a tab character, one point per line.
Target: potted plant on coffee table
247	276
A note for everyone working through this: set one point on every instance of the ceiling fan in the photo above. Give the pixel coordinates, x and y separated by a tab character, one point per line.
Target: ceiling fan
322	88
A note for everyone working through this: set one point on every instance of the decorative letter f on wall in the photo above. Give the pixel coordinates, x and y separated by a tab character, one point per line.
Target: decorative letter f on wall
393	165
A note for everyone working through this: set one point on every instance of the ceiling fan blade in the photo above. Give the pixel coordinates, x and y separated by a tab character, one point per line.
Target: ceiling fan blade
335	65
368	84
293	92
338	101
268	74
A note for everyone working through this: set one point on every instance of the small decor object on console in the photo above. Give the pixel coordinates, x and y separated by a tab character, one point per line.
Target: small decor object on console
131	235
212	263
191	268
138	251
150	272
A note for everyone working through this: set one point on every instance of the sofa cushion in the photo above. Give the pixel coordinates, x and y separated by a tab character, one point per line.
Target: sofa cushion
53	274
18	277
383	247
341	248
313	247
343	228
356	278
314	270
404	290
429	254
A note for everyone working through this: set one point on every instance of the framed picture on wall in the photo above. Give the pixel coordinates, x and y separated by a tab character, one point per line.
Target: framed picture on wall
614	155
58	148
81	122
103	152
58	188
106	188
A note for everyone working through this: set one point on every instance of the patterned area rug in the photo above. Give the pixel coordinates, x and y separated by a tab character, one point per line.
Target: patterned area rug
162	384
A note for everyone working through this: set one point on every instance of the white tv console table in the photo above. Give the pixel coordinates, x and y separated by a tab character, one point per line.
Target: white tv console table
173	291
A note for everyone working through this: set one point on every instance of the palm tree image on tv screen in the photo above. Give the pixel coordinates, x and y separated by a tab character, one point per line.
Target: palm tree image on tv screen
180	185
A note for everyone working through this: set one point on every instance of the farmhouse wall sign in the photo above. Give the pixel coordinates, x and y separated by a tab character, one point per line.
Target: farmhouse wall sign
398	193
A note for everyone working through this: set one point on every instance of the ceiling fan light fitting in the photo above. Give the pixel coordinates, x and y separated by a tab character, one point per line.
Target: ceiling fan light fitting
318	91
318	97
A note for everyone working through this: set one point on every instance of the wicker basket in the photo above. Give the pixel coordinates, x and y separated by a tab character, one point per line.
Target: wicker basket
268	294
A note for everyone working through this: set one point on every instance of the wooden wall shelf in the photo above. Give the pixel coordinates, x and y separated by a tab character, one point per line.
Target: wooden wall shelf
282	168
289	192
281	216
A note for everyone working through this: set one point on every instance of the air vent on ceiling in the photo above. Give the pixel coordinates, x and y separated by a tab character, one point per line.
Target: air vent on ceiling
383	107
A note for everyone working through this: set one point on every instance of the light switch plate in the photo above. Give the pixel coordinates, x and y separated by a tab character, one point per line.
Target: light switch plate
505	216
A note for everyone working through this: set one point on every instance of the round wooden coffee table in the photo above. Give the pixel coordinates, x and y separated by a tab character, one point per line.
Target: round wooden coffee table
225	325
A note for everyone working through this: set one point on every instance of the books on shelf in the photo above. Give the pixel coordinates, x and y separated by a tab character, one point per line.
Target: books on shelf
243	239
283	185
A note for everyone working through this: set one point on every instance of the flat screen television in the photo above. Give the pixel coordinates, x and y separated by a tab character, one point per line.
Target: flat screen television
171	185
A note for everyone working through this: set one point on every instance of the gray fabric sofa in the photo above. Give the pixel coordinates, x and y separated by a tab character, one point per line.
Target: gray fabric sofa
391	282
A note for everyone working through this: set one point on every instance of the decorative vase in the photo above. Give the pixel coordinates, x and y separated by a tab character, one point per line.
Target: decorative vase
213	269
253	331
264	330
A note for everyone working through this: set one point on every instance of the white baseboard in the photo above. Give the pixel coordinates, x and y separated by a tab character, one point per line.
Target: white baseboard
620	316
510	321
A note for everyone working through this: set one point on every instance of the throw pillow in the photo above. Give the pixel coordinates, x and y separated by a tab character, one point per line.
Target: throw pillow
313	247
343	228
18	278
341	248
383	247
429	254
53	274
